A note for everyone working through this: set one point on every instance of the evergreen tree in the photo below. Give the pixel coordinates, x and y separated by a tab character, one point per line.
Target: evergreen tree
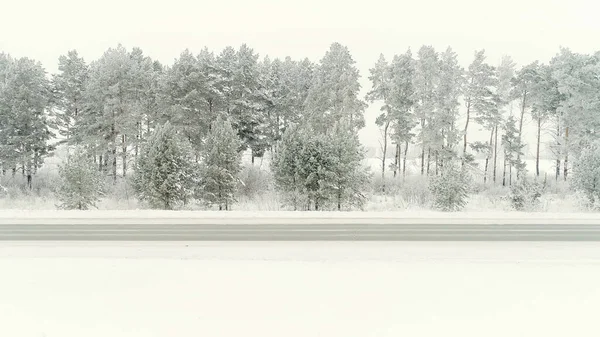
545	103
333	95
487	112
506	76
286	165
402	103
586	173
321	171
68	89
450	188
349	175
523	85
450	88
381	80
186	87
221	165
25	128
578	84
513	151
165	173
108	119
81	184
426	81
479	94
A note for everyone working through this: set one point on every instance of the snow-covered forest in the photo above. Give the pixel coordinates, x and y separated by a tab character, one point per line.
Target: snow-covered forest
232	129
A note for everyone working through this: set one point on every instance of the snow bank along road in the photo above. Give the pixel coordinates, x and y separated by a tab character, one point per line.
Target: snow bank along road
296	226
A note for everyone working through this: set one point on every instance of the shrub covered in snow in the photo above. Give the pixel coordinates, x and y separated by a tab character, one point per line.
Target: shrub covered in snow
450	189
525	194
586	174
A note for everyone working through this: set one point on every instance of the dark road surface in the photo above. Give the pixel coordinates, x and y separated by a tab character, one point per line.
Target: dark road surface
115	231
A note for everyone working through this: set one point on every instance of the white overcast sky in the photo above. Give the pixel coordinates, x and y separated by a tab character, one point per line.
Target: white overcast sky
525	30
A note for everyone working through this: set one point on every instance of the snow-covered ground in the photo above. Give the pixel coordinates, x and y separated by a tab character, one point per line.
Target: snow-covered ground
299	289
148	217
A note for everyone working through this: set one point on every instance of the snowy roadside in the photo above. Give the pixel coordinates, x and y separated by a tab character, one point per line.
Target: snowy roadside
149	217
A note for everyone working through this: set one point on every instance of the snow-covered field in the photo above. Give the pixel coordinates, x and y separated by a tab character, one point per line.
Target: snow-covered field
299	289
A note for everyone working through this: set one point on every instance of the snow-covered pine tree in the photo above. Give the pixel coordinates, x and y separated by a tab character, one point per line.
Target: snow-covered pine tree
185	86
402	102
25	126
349	175
334	91
513	151
321	171
303	168
286	165
425	81
81	184
165	173
221	165
448	92
586	174
109	116
381	81
68	89
479	95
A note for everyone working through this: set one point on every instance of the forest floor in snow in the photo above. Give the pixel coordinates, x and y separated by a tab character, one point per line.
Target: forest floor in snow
287	289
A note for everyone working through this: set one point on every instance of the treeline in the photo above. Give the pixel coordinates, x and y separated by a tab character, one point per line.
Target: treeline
421	98
112	106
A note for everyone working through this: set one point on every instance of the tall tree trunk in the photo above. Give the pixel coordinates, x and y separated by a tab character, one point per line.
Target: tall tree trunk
396	156
100	163
385	137
423	159
504	170
404	163
114	163
339	198
437	162
488	157
139	139
465	132
113	132
124	155
495	152
566	161
523	104
558	151
428	159
537	151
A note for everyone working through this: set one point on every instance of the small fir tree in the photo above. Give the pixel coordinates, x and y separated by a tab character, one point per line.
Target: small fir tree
319	170
81	185
222	165
165	173
450	189
586	174
286	169
525	193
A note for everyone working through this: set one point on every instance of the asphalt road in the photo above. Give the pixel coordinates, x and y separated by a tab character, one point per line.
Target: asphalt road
115	231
